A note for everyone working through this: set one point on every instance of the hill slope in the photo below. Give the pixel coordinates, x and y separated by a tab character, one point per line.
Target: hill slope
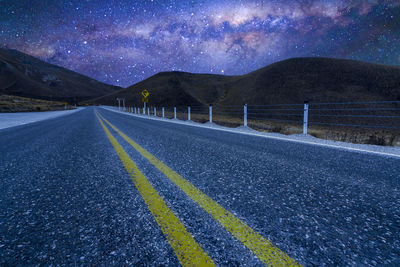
318	80
289	81
24	75
173	88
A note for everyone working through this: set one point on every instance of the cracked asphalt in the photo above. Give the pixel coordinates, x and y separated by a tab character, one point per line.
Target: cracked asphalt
65	197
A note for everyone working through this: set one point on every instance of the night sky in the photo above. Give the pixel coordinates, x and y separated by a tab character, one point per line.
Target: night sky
124	42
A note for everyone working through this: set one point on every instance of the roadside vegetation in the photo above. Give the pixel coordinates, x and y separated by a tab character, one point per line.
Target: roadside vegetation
10	103
383	137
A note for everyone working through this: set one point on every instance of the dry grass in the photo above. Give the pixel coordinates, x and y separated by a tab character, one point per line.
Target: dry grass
345	134
22	104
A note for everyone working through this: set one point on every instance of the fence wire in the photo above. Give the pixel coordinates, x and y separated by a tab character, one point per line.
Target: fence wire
373	114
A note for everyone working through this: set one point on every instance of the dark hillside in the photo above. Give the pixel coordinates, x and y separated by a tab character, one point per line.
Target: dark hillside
289	81
26	76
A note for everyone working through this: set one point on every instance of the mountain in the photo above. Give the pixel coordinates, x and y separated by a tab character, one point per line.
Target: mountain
26	76
318	80
289	81
173	88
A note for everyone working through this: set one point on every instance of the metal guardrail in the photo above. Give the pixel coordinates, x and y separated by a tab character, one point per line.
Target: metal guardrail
374	114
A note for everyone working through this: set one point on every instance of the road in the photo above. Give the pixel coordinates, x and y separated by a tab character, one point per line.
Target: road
103	188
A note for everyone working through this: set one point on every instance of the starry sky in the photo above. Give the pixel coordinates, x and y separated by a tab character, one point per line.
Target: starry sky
123	42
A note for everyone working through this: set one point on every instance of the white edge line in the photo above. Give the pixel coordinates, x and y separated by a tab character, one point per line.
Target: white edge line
194	124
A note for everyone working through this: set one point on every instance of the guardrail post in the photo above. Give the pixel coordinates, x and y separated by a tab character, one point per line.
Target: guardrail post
148	111
134	109
163	114
210	109
305	120
155	112
174	112
188	113
245	115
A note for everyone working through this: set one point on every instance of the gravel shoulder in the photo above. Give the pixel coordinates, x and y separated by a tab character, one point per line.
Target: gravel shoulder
386	151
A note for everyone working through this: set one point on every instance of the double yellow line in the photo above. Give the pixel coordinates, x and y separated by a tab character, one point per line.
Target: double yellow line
185	247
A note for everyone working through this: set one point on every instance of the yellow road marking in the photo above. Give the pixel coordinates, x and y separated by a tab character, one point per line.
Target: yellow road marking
185	247
260	246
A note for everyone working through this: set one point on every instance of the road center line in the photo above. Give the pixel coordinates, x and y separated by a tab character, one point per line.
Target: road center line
260	246
185	247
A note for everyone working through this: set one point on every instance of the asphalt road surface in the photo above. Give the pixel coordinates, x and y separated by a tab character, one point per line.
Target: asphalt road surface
102	188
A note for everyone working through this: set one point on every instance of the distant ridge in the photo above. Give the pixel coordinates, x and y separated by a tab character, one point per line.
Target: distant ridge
289	81
27	76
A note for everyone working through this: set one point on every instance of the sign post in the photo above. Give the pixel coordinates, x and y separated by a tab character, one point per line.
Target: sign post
145	99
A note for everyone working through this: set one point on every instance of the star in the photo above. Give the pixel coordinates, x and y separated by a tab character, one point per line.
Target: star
132	40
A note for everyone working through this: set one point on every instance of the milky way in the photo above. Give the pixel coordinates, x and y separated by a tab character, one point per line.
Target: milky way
124	42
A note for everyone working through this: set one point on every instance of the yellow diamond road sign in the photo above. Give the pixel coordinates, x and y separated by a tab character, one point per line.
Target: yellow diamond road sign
145	93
